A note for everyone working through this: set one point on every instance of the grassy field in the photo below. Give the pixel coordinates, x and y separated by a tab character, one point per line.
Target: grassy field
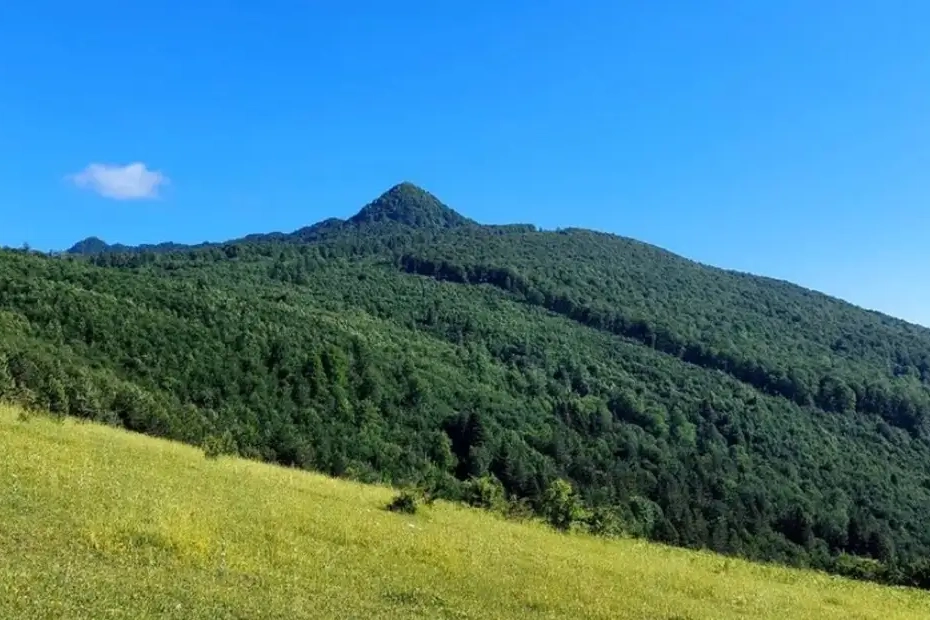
98	523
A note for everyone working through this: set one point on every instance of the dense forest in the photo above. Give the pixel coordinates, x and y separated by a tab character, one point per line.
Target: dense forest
411	345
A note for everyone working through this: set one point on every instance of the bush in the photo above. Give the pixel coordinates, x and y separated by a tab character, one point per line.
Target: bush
520	510
917	574
485	492
561	506
405	502
7	385
215	446
436	484
865	569
605	521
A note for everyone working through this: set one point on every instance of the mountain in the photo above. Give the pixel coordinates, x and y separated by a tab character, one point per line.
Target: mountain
95	245
404	204
683	403
410	205
90	245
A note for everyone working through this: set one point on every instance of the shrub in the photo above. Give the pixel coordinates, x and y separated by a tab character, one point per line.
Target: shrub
485	492
917	574
866	569
405	502
520	509
605	521
561	506
215	446
7	385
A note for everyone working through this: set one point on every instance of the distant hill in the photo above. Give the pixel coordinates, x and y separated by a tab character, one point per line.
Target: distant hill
404	204
684	403
95	245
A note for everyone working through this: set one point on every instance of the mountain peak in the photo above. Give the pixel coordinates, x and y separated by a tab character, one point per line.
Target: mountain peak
411	205
90	245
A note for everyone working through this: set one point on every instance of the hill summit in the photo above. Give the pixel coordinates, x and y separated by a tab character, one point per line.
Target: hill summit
405	204
408	204
90	245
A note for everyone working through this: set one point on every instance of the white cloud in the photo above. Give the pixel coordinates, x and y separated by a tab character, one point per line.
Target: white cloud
130	182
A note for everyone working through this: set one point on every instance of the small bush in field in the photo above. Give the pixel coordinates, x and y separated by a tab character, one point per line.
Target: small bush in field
215	446
405	502
485	492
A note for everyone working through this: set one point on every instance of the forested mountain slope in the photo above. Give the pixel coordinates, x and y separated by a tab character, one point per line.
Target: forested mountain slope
408	343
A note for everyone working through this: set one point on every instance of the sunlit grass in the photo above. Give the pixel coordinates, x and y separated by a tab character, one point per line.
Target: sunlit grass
99	523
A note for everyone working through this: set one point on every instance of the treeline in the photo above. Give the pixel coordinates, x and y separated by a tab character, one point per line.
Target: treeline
901	403
40	381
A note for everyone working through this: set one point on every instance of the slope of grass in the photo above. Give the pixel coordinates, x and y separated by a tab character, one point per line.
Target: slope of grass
101	523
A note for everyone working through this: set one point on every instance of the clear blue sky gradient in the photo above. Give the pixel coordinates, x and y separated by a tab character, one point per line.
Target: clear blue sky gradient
788	138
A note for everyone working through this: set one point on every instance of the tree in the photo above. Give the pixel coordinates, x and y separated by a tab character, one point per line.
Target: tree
56	395
798	526
7	386
485	492
216	445
561	506
440	451
84	397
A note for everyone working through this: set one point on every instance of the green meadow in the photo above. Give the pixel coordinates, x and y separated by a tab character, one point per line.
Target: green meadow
101	523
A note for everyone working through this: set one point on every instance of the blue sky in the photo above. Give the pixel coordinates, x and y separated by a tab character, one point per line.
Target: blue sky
788	138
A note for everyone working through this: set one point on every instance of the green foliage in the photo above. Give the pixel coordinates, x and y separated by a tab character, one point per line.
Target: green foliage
682	403
406	502
605	521
410	205
215	446
867	569
57	396
7	386
485	492
561	506
917	574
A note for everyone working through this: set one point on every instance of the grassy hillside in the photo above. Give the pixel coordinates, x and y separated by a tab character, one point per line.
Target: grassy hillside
97	522
408	344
